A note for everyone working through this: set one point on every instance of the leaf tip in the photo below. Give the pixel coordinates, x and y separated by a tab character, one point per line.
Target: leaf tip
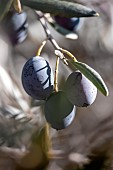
107	92
96	14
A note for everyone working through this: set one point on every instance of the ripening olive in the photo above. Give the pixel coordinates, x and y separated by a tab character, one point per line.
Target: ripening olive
59	112
79	90
67	23
37	78
16	25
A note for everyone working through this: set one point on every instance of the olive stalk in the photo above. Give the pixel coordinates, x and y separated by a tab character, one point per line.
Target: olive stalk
41	48
42	20
17	6
56	75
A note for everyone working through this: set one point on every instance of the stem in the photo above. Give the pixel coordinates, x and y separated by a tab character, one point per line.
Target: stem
61	56
69	54
17	6
47	31
41	48
52	40
56	75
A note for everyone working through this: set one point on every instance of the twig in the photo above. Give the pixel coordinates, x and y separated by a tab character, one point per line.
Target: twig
41	47
42	20
17	6
69	54
56	75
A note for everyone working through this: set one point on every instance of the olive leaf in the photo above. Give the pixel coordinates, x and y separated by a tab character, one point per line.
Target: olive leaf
62	8
4	7
92	75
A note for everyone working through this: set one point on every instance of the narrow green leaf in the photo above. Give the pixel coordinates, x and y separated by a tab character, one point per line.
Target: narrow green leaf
4	7
92	75
62	8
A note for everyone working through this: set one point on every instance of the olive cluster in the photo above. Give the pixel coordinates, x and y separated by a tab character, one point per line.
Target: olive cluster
59	106
38	77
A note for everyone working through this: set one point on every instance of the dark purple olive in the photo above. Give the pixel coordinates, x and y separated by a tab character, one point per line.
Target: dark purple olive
79	90
37	78
16	26
67	23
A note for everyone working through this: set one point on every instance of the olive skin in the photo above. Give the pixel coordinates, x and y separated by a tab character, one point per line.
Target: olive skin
16	26
58	110
79	90
67	23
37	78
